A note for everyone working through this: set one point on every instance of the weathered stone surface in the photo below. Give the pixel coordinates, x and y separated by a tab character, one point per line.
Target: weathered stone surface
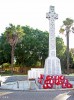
52	63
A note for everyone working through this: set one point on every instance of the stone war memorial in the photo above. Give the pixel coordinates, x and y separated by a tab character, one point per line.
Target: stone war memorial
52	63
51	75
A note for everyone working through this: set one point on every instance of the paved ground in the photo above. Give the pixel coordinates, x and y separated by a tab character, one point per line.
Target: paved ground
70	78
23	78
36	95
14	78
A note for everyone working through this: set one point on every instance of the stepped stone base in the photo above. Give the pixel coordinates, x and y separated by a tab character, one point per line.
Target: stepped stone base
52	66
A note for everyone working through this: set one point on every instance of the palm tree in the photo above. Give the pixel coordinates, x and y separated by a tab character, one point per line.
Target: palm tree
13	34
67	26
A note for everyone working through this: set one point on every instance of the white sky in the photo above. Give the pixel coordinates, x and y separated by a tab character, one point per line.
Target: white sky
33	13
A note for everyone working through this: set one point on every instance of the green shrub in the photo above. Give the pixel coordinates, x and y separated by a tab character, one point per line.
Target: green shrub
5	65
7	72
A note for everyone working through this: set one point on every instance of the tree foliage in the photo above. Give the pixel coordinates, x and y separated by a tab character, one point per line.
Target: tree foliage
13	34
5	49
32	50
68	26
33	46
